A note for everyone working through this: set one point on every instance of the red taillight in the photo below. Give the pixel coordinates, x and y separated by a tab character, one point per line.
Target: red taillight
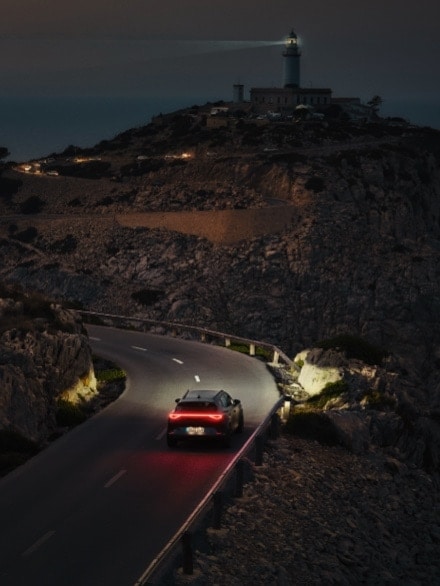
186	415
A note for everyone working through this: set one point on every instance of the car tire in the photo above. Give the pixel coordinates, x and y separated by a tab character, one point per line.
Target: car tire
171	442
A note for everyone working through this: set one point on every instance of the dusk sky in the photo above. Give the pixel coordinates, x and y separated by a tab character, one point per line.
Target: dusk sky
159	47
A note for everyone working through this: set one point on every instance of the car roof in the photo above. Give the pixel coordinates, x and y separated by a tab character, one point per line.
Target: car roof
200	395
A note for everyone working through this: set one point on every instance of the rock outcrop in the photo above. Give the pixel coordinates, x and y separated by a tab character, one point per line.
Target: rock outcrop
365	406
44	357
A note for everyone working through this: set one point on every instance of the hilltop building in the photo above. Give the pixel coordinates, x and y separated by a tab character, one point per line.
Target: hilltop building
291	97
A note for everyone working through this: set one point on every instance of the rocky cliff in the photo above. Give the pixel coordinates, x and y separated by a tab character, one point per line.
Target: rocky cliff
292	232
44	357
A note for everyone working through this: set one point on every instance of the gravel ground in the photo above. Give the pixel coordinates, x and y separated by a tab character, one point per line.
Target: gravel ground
315	514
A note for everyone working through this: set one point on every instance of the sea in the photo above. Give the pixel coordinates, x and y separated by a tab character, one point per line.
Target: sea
35	127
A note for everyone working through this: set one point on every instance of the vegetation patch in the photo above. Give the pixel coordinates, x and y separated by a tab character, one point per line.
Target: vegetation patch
180	125
244	349
147	296
65	245
105	201
330	391
111	384
312	425
27	235
355	347
69	415
8	188
51	266
315	184
110	375
310	422
32	205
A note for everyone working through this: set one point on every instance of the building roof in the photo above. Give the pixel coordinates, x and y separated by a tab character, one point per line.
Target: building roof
291	90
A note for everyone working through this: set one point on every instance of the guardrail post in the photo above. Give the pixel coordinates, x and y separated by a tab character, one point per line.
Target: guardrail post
227	342
218	509
259	447
275	426
276	356
188	566
251	349
239	474
286	409
203	337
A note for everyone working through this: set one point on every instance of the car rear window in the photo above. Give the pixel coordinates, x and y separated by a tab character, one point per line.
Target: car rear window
196	406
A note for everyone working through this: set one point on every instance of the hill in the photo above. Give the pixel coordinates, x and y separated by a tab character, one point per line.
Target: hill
302	234
288	231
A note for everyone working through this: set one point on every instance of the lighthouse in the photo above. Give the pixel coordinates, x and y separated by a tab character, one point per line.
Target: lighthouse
286	99
291	56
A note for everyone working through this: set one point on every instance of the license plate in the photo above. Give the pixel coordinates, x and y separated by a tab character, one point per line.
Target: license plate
195	430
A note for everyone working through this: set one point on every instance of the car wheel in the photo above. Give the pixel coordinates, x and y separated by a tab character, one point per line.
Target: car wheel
171	442
240	425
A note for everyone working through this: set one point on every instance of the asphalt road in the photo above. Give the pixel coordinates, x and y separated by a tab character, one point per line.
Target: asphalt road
98	505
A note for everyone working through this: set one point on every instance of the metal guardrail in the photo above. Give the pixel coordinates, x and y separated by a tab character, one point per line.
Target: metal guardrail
163	561
202	333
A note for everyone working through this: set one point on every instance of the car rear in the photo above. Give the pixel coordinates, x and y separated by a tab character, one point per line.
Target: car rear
197	419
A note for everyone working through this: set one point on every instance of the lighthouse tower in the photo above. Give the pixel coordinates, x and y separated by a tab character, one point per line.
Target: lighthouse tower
291	56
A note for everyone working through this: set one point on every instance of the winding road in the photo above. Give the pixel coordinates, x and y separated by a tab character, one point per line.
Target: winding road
98	505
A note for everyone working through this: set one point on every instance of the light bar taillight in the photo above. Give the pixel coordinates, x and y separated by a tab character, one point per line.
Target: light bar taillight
197	415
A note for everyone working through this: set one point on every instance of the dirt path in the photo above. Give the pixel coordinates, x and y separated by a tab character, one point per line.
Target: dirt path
219	227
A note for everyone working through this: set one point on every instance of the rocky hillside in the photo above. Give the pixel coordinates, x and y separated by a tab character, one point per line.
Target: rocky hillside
288	232
44	357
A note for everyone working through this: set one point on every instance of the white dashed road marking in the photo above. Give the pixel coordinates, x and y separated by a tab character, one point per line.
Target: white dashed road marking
115	478
177	360
140	348
38	543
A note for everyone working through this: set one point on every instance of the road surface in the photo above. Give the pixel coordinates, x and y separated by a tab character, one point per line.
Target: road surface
98	505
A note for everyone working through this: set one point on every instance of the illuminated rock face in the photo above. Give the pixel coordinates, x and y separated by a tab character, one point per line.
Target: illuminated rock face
40	360
314	378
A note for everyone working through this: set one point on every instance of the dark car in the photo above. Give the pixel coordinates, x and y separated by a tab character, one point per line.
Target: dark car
205	415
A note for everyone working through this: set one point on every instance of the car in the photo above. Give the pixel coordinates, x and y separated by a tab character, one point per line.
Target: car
205	414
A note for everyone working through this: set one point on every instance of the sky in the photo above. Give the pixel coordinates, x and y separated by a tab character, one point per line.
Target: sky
192	47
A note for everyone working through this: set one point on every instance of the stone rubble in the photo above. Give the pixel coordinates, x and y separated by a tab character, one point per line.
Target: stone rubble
315	514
